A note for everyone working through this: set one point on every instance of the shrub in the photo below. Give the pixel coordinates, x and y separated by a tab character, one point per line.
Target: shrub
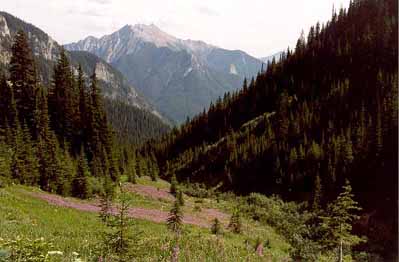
235	224
216	227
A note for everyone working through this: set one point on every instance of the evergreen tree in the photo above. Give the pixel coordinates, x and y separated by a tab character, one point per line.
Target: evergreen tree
173	185
24	163
6	103
83	103
67	170
24	80
5	163
131	175
106	199
62	100
175	219
180	197
120	238
138	168
47	153
80	184
317	194
337	223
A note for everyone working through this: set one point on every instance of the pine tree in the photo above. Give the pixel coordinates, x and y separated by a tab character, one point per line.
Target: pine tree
83	103
17	163
67	170
47	153
173	185
317	194
62	100
80	184
5	162
180	197
337	223
153	167
106	199
24	80
175	219
6	103
24	163
120	238
131	175
138	168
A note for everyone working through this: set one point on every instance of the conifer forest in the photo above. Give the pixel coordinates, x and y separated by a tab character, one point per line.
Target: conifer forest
298	163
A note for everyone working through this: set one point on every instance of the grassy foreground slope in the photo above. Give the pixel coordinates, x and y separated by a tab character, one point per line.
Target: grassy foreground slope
27	215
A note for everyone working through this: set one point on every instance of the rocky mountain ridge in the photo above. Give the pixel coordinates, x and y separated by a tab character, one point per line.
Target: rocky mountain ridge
181	77
46	51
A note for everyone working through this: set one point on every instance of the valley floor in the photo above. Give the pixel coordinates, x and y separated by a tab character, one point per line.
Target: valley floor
73	225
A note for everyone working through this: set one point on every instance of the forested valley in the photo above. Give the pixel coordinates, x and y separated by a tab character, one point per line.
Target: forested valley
304	157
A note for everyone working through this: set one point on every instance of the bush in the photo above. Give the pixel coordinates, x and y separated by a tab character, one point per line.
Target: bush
198	190
216	227
95	186
235	224
288	218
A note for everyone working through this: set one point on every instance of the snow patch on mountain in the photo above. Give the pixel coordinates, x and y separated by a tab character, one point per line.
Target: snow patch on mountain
4	30
233	69
188	71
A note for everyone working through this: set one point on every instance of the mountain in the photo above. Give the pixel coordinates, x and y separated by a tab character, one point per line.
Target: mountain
46	52
181	77
275	56
324	114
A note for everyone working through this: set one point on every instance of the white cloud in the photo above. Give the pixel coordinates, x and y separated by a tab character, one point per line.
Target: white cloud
259	27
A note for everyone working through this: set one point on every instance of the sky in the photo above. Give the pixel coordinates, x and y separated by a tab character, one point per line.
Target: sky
258	27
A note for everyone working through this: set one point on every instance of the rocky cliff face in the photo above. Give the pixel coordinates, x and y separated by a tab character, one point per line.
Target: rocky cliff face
46	51
181	77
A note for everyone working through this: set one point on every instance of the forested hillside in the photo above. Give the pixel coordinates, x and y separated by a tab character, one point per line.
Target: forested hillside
326	112
133	125
46	52
57	137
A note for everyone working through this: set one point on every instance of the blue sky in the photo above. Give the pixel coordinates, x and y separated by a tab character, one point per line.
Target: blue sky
259	27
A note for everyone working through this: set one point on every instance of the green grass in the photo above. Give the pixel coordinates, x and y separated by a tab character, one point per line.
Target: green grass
70	230
146	180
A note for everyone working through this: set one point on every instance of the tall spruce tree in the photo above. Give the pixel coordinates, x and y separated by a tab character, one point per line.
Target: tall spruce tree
80	183
62	100
6	103
83	107
24	163
24	80
47	147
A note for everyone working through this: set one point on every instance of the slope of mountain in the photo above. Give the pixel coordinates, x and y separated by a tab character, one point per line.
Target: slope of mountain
181	77
324	114
46	52
114	85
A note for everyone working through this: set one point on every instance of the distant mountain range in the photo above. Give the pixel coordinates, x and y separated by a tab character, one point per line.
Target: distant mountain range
181	77
46	51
